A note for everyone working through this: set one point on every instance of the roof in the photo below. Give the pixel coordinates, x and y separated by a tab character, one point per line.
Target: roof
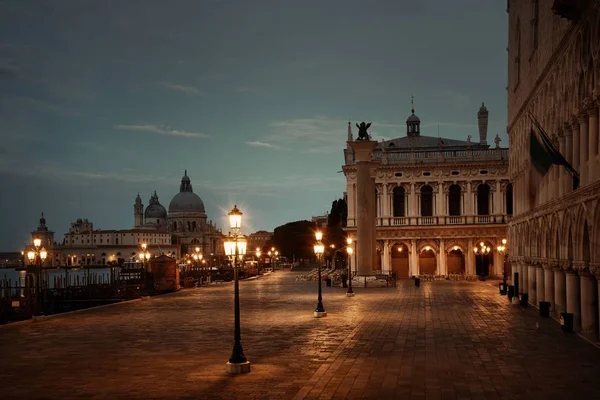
420	141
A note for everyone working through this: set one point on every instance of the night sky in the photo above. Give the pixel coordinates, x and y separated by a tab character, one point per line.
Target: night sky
101	99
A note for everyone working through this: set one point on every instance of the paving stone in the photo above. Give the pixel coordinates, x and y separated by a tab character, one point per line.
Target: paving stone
444	340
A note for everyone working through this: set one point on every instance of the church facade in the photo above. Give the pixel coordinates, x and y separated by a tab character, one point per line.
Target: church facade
555	233
174	233
437	199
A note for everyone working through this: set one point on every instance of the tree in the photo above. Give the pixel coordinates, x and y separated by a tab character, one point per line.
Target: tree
294	239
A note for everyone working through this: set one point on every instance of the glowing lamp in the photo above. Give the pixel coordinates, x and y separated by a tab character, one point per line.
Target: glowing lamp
319	235
37	242
235	218
319	249
43	254
31	255
349	250
144	246
349	241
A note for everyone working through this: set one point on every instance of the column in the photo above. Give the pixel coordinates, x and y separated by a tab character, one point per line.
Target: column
539	283
560	291
562	171
524	278
385	258
443	270
498	264
573	303
515	269
351	203
575	147
498	200
589	295
441	203
569	156
470	262
414	265
412	209
549	286
583	146
531	278
366	248
469	207
593	141
385	201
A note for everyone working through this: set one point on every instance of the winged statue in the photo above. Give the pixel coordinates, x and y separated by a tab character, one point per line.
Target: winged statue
362	131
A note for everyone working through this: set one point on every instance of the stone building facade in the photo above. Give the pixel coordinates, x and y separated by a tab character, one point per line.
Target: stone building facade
437	199
554	72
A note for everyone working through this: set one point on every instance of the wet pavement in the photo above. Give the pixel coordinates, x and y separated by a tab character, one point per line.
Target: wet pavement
444	340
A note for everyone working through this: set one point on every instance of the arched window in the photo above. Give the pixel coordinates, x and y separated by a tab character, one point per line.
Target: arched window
483	199
509	199
426	201
454	196
399	201
194	226
174	226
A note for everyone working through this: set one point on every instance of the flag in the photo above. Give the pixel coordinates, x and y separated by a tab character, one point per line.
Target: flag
542	154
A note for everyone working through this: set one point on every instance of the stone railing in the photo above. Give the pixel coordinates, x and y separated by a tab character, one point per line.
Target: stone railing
436	220
401	157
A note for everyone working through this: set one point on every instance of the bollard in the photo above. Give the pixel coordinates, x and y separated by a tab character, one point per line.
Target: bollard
511	292
566	322
417	282
544	309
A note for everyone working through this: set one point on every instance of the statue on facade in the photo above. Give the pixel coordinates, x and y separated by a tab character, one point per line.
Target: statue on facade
362	131
469	142
497	140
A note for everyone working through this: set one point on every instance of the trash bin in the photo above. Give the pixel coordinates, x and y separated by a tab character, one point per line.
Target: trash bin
544	309
328	282
417	282
511	292
566	322
524	299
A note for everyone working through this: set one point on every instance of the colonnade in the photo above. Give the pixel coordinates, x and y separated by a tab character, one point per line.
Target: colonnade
568	287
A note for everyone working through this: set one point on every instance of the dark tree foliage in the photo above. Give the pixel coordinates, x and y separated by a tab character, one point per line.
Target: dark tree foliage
335	235
294	239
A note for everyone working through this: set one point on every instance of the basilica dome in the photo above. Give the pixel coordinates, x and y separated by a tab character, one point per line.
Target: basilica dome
155	210
186	200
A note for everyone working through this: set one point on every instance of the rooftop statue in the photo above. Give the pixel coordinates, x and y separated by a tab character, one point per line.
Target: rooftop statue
362	131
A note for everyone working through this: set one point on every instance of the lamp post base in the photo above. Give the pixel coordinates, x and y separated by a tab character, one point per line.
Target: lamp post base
350	294
238	368
320	314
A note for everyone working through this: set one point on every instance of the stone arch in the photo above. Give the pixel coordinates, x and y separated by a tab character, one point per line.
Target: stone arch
580	225
403	243
462	246
422	244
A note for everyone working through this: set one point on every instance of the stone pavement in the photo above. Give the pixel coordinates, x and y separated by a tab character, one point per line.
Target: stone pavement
445	340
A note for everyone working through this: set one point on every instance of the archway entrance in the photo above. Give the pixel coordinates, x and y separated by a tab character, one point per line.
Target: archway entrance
427	262
456	261
400	261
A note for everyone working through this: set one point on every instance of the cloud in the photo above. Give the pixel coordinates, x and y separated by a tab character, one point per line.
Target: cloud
264	145
160	130
180	88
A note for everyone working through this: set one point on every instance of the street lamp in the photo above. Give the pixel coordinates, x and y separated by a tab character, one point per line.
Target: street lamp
319	250
36	257
349	249
503	250
482	250
258	260
235	246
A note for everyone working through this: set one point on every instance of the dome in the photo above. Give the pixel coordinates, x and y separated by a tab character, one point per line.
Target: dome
413	118
154	211
186	200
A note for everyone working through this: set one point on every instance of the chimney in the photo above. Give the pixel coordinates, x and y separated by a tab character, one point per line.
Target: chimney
482	120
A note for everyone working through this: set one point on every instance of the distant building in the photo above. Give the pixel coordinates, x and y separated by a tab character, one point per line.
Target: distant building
437	199
321	220
258	239
173	234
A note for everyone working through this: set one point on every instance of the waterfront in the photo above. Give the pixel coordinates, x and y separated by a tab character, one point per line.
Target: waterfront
66	276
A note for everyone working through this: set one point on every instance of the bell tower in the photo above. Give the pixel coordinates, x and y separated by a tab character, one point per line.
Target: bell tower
138	212
413	123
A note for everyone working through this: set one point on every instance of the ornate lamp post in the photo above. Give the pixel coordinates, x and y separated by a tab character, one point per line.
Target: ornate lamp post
235	246
319	250
144	258
36	257
258	260
349	249
482	250
503	250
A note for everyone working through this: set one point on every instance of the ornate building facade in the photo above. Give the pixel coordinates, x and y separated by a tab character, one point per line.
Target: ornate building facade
437	199
555	233
175	233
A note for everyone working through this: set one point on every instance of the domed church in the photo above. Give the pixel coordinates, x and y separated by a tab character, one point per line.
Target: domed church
186	219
